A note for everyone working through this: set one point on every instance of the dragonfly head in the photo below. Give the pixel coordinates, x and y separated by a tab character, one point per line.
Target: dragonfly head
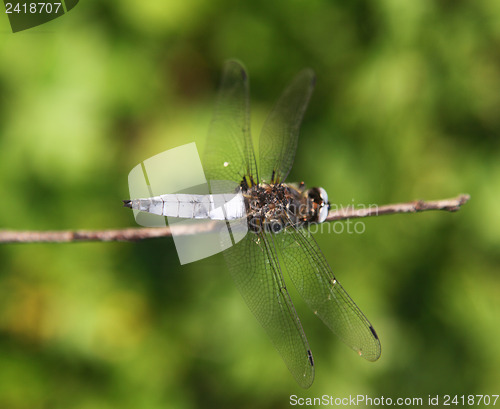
319	203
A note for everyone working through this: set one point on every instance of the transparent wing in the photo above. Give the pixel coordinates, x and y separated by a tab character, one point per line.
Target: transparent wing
314	280
229	153
256	272
278	139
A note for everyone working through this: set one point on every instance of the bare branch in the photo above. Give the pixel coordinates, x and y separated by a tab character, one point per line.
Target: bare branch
135	234
450	205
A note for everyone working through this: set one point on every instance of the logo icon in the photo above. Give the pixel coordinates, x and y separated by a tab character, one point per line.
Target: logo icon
172	186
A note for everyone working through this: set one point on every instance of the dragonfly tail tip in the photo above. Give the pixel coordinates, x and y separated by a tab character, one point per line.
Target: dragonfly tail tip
127	203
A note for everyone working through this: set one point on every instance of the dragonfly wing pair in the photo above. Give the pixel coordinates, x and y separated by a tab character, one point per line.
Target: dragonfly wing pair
254	261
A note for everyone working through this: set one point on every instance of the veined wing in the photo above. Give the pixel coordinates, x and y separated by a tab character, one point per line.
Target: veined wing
314	280
257	274
280	133
229	153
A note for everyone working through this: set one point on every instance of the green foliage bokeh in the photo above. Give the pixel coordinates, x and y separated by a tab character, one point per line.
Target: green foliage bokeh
407	106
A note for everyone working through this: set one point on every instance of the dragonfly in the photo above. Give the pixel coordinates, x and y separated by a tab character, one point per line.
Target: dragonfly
278	216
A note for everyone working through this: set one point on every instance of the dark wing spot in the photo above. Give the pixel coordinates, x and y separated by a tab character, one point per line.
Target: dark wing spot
373	332
310	356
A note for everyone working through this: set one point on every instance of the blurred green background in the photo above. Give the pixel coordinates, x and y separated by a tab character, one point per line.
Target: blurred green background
407	106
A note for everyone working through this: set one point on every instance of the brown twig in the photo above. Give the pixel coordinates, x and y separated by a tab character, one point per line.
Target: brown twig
450	205
135	234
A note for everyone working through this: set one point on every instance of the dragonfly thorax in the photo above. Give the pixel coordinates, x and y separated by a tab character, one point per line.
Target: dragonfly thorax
273	207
